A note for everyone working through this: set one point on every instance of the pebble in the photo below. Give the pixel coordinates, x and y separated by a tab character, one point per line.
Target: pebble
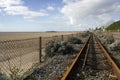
55	68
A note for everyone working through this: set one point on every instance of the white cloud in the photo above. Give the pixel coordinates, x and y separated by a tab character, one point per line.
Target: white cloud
7	3
93	10
16	7
69	1
50	8
0	10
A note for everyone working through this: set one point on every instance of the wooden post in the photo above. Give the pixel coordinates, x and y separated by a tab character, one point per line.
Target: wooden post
62	37
57	37
40	49
77	35
72	35
68	37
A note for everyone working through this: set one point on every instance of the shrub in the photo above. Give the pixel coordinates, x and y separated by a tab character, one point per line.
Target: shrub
51	47
103	40
74	40
98	32
84	35
15	73
115	46
100	35
55	47
65	48
110	39
3	77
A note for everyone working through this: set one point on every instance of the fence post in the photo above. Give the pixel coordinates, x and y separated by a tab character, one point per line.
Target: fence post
68	37
72	35
40	49
57	37
77	35
62	37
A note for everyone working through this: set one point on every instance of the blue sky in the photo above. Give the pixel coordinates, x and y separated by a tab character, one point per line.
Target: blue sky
56	15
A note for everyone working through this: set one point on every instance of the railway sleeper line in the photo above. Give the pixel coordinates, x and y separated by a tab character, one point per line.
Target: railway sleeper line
92	63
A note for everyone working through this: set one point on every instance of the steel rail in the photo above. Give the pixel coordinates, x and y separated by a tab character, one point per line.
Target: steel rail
75	62
72	68
85	59
110	60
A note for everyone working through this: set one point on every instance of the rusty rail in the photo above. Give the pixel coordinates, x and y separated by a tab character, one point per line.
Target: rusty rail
75	62
72	68
110	60
85	59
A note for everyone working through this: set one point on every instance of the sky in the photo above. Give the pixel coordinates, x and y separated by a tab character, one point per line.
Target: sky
56	15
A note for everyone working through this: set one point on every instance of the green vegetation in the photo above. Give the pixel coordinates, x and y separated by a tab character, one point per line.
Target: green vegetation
55	47
84	35
115	46
3	76
114	26
75	40
15	73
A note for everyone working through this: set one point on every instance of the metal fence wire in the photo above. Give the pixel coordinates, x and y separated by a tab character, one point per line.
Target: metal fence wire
24	53
12	52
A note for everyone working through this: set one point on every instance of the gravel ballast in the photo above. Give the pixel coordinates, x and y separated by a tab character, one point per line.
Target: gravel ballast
53	69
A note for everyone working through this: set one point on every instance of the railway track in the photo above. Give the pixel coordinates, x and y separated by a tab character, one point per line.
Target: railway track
93	63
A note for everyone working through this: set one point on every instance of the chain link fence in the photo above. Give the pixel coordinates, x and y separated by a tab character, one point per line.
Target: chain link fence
25	53
116	35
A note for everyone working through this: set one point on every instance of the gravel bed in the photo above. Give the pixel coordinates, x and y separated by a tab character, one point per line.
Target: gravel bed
94	75
116	56
54	69
96	68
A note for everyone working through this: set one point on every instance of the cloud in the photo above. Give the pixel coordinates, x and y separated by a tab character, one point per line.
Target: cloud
16	7
50	8
7	3
90	10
